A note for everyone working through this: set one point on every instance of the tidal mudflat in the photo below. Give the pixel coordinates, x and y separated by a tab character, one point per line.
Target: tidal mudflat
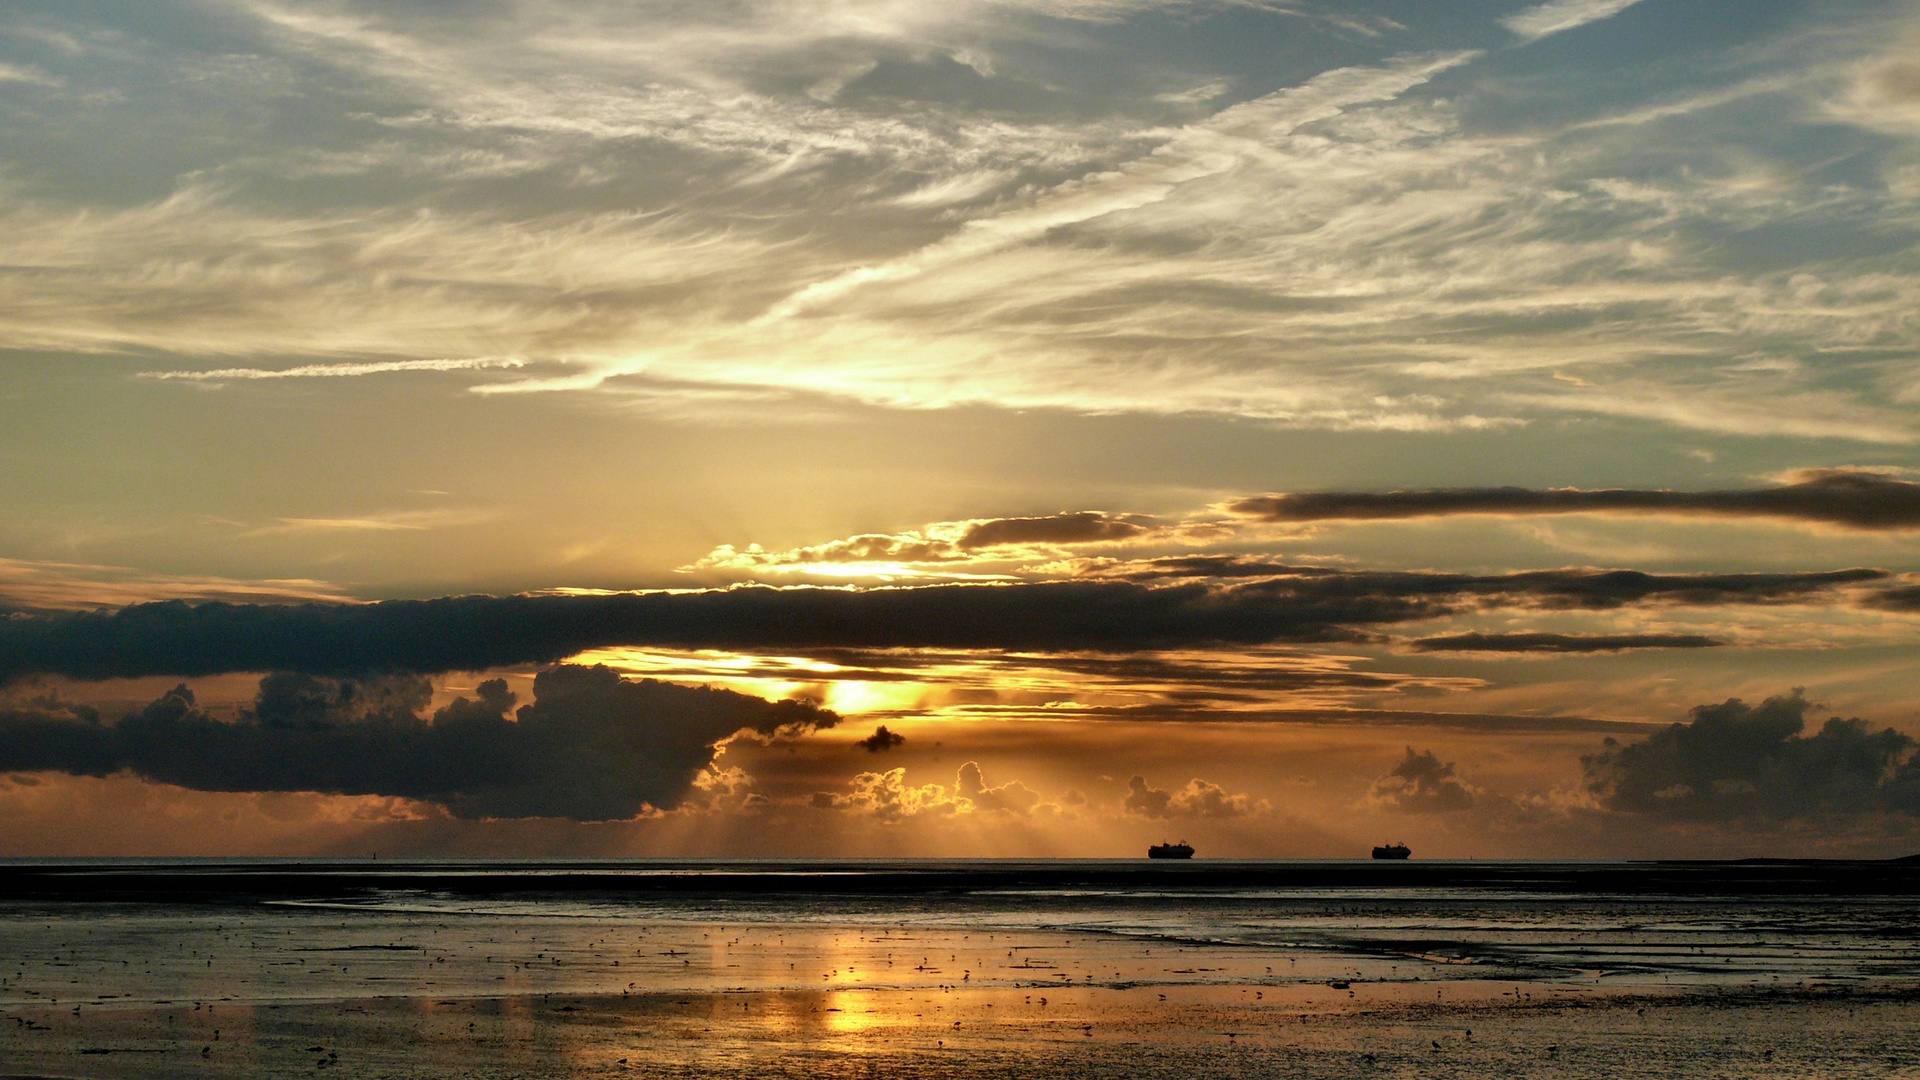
958	969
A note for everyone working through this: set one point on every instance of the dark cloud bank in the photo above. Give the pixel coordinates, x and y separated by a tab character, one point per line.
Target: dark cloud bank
1836	497
1728	763
1560	643
1079	527
590	746
474	633
1735	760
1904	598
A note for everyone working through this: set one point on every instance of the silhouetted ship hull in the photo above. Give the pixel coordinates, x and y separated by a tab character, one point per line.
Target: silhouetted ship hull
1180	850
1392	851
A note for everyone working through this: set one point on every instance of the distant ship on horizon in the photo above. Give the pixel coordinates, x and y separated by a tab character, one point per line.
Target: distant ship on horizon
1392	851
1181	850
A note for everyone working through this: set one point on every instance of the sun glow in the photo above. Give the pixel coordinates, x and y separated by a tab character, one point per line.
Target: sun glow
854	698
978	684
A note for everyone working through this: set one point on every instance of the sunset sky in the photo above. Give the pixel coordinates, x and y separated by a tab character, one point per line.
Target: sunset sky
1287	425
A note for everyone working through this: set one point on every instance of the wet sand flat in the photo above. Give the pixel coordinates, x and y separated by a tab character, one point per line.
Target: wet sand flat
1014	971
986	1033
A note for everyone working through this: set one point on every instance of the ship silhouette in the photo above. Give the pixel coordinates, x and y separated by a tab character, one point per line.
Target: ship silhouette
1392	851
1163	850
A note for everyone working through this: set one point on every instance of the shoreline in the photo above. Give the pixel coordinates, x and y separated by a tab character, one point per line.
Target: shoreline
251	880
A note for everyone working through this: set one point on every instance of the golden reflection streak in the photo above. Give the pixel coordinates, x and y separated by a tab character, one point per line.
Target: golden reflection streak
856	1012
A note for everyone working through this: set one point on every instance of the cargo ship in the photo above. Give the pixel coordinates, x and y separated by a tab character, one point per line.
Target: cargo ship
1181	850
1392	851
